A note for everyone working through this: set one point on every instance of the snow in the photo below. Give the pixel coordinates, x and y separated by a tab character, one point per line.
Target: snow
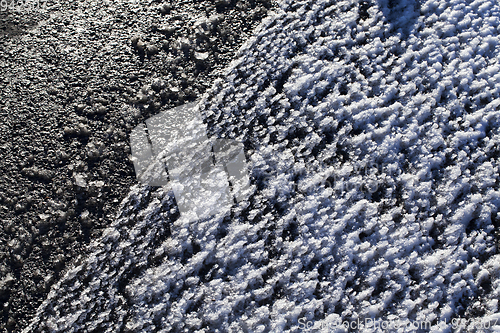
319	93
80	180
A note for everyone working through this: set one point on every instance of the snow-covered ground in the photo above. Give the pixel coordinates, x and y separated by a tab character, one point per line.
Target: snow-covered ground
372	135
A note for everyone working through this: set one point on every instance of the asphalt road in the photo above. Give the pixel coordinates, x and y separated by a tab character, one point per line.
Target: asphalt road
75	78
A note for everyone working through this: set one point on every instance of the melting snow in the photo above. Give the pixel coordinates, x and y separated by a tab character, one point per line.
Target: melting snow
372	132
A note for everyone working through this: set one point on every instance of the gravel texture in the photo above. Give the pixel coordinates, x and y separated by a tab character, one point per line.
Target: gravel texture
371	130
75	78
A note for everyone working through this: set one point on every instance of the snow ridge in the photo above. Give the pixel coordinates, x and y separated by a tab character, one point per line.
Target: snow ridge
372	135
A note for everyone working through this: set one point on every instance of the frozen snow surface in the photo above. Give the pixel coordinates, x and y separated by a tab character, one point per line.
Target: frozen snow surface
372	135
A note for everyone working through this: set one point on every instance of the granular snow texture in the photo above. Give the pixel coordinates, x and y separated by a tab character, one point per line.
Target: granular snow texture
372	136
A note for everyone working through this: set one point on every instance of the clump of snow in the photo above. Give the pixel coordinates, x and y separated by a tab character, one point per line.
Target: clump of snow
201	56
80	180
323	92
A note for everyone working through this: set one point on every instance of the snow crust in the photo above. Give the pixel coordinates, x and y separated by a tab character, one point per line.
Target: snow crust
372	134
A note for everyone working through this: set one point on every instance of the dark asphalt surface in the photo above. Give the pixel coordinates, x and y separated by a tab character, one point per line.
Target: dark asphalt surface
75	79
